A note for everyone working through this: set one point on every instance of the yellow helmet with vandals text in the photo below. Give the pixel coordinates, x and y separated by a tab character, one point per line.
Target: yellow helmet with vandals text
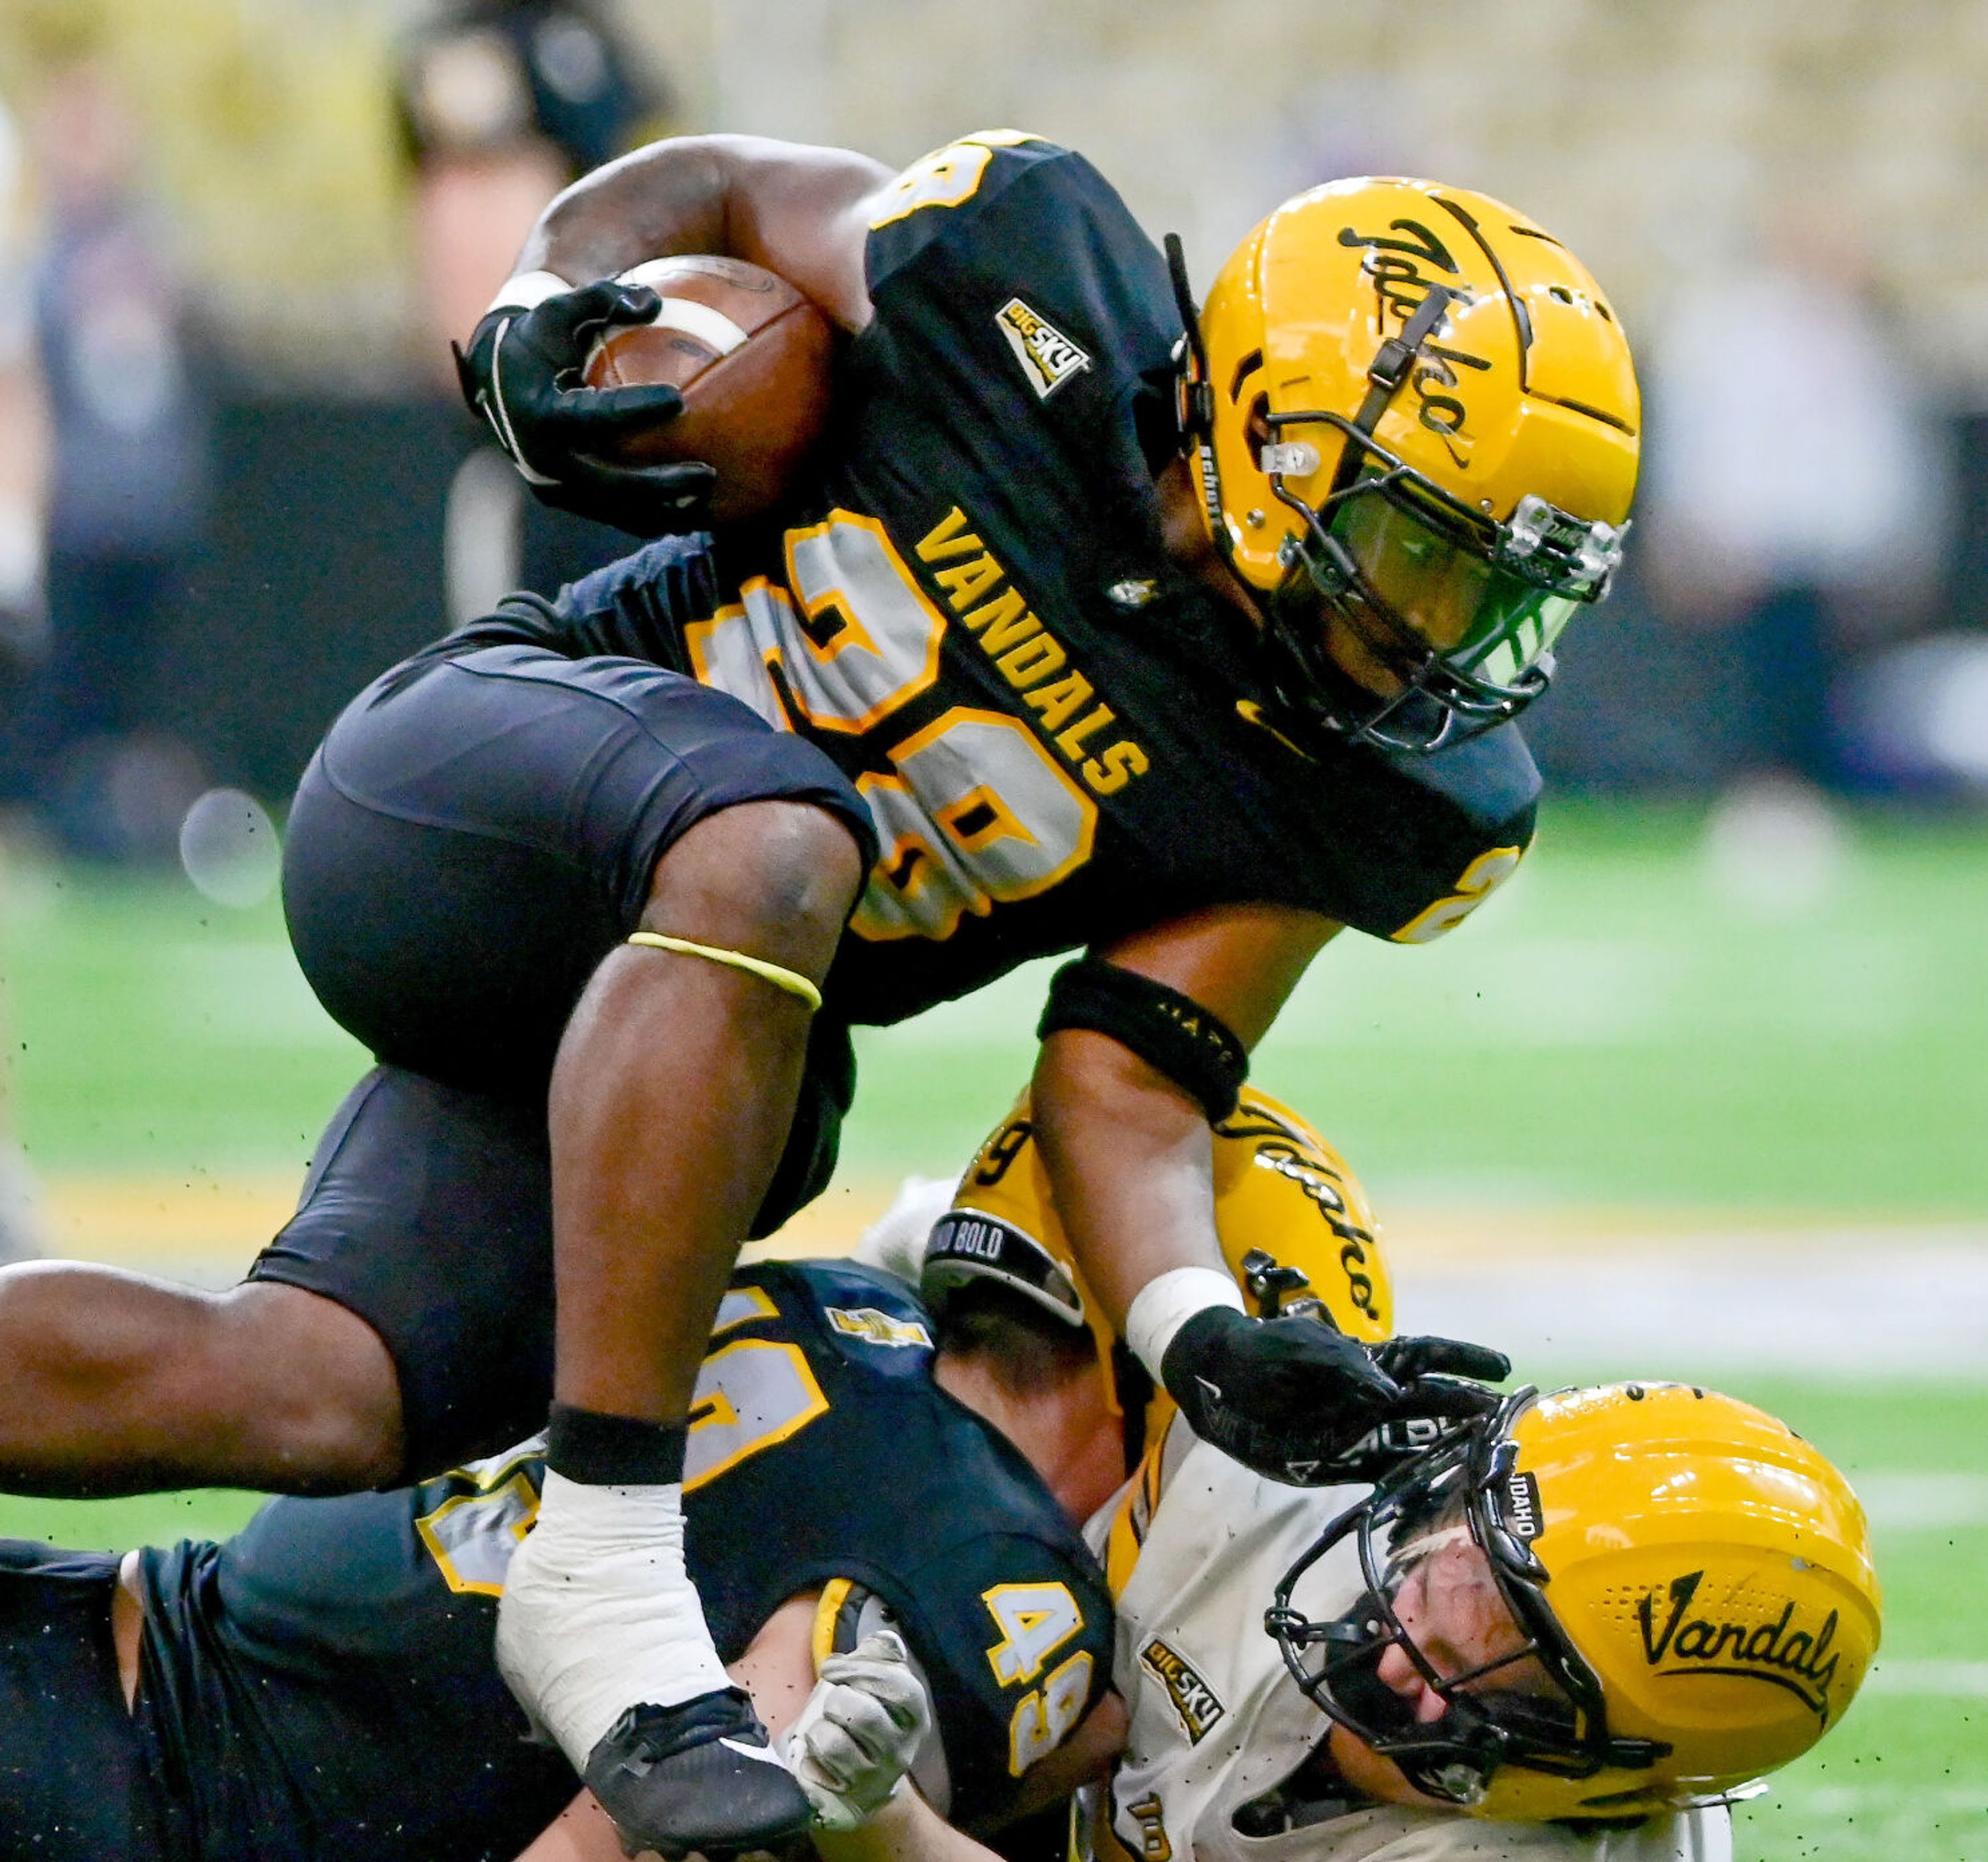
1414	421
1295	1226
1694	1580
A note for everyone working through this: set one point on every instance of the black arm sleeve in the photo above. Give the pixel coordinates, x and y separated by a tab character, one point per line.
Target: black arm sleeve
1171	1032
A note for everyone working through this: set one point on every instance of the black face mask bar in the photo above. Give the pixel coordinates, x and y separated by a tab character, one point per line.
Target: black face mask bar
1450	1759
1439	702
1454	1757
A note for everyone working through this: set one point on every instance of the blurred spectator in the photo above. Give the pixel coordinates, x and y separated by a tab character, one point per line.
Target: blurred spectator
128	492
23	618
1916	716
502	102
24	438
1799	495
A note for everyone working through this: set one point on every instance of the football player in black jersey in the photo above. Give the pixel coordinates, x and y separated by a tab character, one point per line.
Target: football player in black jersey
1186	639
321	1686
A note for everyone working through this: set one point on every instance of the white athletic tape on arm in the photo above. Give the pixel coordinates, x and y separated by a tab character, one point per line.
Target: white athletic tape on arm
599	1613
528	290
1162	1306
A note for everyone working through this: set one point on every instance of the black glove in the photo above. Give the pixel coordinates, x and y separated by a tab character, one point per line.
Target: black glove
1435	1399
1292	1398
522	374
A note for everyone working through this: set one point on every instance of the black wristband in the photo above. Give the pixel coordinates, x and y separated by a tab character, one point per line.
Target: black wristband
599	1450
1171	1032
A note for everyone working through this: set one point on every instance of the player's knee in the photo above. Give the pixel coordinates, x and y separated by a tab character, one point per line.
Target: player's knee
316	1394
776	877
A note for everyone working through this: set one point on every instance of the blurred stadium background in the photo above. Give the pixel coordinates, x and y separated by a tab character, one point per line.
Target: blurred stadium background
1703	1093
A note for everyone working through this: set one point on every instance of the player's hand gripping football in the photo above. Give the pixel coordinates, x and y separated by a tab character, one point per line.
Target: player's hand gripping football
855	1739
522	373
1299	1401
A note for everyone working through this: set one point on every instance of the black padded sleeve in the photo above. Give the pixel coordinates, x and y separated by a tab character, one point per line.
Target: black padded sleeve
1171	1032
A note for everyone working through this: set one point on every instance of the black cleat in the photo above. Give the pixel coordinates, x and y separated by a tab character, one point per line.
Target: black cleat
696	1777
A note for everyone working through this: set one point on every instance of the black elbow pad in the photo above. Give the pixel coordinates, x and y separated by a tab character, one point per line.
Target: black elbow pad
1171	1032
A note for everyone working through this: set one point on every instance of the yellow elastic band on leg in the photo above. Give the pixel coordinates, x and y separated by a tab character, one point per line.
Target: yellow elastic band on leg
781	978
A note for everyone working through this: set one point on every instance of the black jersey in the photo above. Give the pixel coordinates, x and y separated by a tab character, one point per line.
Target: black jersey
323	1683
1061	735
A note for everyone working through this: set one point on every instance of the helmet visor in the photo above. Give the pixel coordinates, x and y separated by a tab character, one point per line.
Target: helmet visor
1482	619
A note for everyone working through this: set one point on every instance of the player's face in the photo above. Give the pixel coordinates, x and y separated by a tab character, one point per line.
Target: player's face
1451	1607
1419	589
1432	583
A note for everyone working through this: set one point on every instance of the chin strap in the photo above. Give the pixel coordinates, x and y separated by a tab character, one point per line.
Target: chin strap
1194	401
1395	356
1194	397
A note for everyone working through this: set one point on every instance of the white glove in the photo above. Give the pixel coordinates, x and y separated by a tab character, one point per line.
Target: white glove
861	1728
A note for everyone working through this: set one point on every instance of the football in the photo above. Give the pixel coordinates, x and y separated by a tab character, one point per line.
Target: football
752	358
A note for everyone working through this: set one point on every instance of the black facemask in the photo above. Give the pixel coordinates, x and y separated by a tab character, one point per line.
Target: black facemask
1450	1759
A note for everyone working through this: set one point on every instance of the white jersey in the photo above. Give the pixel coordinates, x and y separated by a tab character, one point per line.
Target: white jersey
1195	1545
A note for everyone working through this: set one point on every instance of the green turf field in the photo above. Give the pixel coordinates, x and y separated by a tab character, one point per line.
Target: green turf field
1608	1029
1615	1031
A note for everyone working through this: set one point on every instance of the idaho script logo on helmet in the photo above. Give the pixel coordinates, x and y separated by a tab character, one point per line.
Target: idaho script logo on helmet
1400	289
1682	1644
1281	1153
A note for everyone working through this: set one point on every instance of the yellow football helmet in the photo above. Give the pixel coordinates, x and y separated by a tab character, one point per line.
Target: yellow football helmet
1295	1226
1696	1581
1411	411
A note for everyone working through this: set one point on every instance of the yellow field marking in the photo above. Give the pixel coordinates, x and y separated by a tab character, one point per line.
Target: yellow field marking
831	1224
159	1222
164	1223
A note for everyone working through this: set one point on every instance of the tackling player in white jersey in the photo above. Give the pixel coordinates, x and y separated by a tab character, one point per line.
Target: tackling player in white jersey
1570	1629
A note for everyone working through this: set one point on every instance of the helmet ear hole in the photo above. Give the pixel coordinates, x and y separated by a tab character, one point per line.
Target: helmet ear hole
1258	425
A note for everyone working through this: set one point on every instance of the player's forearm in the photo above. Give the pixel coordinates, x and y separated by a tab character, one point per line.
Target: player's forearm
1130	1157
669	197
906	1829
1131	1163
785	206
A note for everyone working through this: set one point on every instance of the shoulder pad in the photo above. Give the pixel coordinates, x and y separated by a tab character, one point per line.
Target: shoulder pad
952	175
